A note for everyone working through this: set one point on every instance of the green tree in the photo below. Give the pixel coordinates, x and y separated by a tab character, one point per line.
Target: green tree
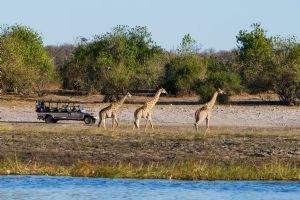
115	62
255	54
188	45
270	63
182	72
184	68
286	74
218	75
24	63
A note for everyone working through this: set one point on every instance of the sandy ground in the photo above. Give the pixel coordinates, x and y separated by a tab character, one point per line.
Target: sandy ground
236	116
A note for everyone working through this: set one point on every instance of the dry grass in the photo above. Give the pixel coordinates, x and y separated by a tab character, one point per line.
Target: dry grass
160	132
184	171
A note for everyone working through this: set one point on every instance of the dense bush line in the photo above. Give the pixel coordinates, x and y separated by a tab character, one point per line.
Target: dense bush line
24	63
128	59
269	63
114	63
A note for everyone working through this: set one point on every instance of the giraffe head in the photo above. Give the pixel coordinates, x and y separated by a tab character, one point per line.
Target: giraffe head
163	91
128	95
220	91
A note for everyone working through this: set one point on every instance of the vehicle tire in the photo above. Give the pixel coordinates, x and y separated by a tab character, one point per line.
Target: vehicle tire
88	120
49	119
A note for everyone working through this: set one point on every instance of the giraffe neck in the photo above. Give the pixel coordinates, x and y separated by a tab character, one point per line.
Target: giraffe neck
212	102
120	103
155	99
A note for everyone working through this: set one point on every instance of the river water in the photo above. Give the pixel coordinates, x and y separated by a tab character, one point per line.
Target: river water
65	188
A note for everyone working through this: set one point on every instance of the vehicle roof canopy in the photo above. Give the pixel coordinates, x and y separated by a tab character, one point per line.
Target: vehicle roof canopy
57	101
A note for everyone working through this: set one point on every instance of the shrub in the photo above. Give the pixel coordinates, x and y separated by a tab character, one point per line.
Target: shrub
182	72
219	75
270	63
205	90
286	74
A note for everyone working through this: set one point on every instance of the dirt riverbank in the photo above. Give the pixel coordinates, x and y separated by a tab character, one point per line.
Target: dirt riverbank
65	144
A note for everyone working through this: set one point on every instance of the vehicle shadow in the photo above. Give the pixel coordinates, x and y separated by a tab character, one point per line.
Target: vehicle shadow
21	122
27	122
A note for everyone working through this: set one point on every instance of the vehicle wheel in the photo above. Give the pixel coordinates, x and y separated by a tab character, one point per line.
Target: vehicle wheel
88	120
49	119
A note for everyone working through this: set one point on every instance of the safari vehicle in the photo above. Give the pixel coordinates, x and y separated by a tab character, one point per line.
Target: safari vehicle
52	111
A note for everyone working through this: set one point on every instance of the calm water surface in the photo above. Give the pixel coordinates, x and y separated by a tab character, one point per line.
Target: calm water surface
65	188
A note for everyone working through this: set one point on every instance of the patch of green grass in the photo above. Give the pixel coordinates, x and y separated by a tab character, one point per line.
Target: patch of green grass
184	171
15	167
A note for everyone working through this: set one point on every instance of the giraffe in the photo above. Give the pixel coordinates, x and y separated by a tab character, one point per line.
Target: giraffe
205	111
145	110
110	112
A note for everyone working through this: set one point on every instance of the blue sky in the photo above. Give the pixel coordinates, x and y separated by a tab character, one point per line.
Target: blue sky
212	23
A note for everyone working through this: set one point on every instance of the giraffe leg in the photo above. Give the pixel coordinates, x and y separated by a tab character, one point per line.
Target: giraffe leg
137	123
137	117
150	120
200	119
112	122
147	120
196	126
104	123
207	125
100	120
113	116
134	126
116	120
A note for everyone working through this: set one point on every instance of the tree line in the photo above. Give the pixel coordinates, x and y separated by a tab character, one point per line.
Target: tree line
127	58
